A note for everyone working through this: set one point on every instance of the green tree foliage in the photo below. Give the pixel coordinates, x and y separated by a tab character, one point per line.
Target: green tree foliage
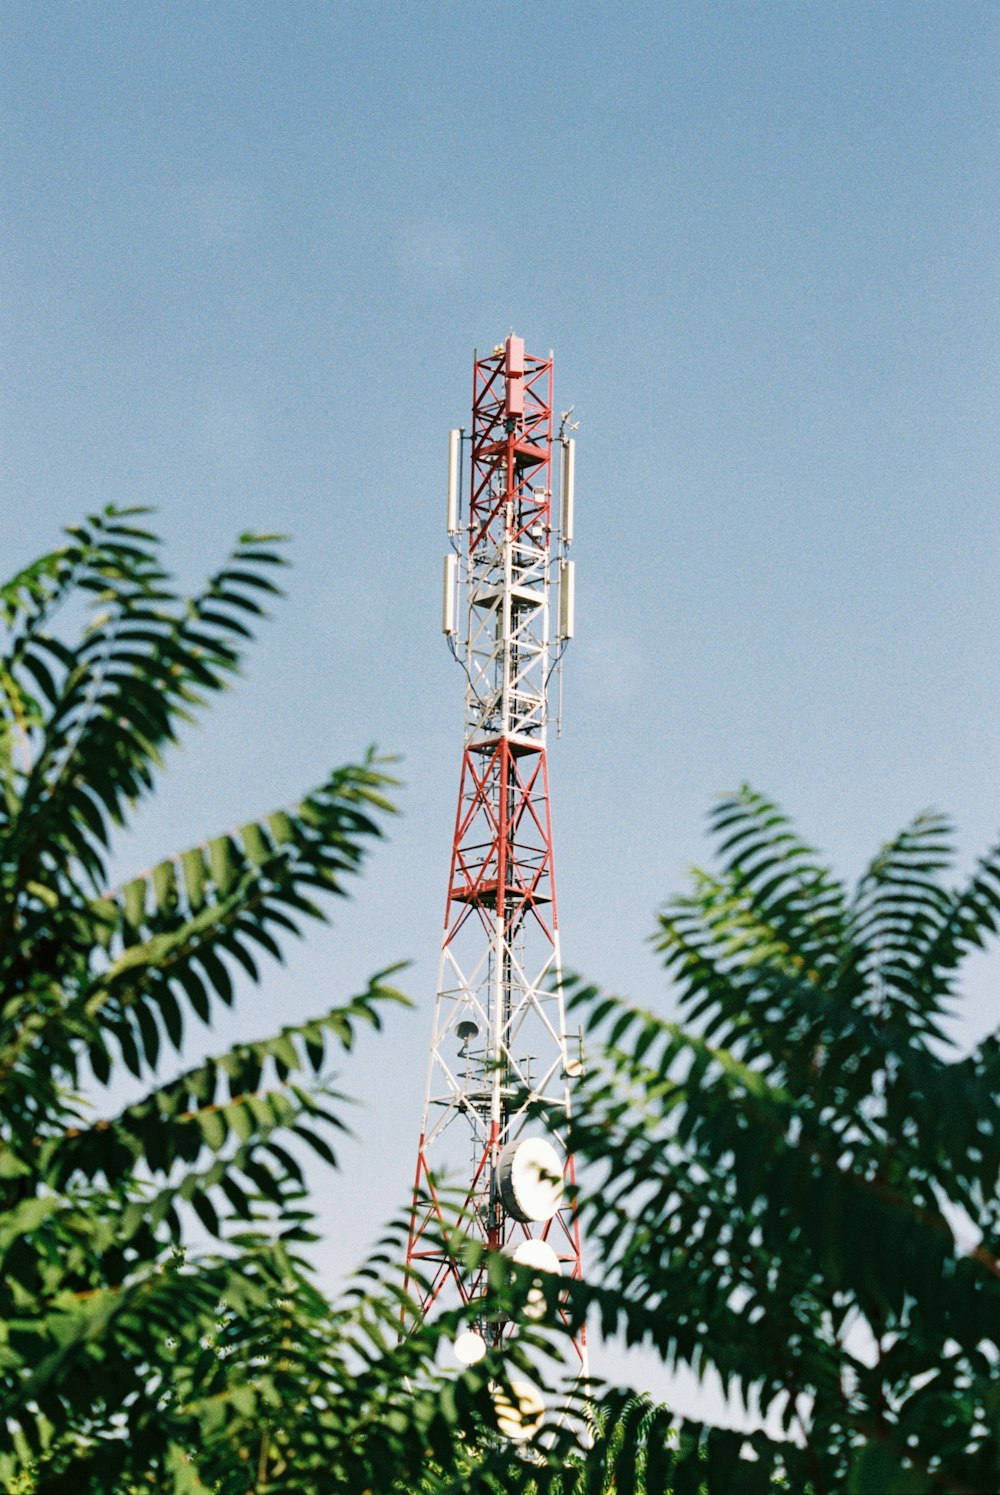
798	1189
129	1360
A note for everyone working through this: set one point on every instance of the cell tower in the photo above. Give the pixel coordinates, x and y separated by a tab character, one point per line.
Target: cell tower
499	1039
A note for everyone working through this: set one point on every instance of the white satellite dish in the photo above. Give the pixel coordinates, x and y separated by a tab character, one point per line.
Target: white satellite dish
519	1410
469	1347
538	1256
531	1184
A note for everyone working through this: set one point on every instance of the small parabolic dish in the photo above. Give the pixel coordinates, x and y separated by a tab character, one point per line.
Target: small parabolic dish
519	1410
538	1256
531	1184
469	1347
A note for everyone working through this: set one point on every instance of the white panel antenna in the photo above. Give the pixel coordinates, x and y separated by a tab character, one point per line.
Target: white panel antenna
567	488
448	624
454	459
567	599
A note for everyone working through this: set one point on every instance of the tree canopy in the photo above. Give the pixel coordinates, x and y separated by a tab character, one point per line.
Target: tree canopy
129	1358
797	1188
793	1186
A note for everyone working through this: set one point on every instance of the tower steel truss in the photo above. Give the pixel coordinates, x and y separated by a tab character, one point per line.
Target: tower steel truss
499	1039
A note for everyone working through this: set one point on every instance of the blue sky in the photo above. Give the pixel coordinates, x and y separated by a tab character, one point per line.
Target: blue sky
249	250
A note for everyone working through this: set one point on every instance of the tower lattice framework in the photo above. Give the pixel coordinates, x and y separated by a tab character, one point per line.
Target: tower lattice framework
499	1038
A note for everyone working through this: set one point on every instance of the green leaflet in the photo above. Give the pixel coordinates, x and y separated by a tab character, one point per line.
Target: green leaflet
255	844
24	1218
213	1128
164	879
281	828
134	897
223	863
193	866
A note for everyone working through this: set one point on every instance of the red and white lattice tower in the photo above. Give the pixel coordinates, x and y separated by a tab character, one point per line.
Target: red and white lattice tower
499	1040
